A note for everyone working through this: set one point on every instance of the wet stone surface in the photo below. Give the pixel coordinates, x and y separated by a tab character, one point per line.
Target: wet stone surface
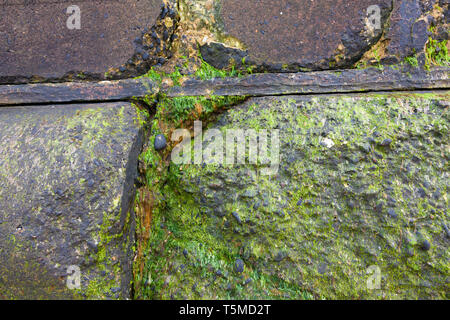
374	196
40	39
66	187
302	33
410	25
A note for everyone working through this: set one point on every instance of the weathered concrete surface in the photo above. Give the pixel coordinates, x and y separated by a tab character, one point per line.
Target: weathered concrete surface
36	44
66	186
319	34
361	191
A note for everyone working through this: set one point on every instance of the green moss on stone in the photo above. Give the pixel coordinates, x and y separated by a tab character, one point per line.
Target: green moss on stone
315	228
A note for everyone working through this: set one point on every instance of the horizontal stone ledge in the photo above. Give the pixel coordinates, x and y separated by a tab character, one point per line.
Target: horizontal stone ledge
118	90
321	82
266	84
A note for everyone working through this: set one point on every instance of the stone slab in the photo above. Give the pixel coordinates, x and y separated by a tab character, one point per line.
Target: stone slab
370	79
360	191
67	177
302	33
76	91
35	41
319	82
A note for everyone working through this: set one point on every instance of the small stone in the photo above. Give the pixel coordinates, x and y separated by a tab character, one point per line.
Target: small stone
365	147
90	183
239	266
425	245
236	216
115	289
160	142
392	212
165	35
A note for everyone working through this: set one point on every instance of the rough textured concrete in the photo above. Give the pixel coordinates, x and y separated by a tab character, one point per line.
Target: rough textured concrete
36	43
66	186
